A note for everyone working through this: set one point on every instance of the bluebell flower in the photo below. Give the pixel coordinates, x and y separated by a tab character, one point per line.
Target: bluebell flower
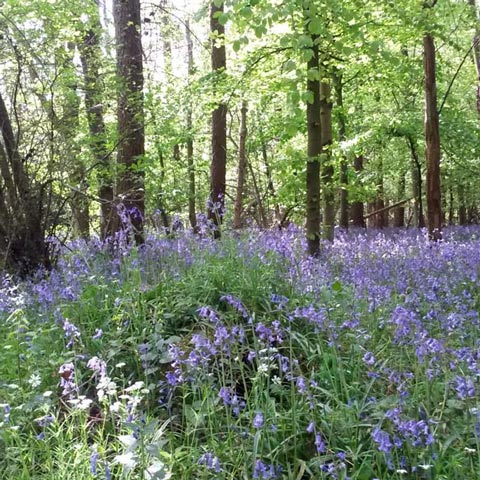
320	443
464	387
210	461
93	462
369	359
382	438
258	420
98	334
265	471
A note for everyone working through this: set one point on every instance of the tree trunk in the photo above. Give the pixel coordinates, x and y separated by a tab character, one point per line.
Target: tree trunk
79	202
270	185
165	32
192	215
22	213
451	206
399	212
219	125
326	158
90	56
314	150
242	168
262	217
476	49
432	139
338	86
357	210
131	148
462	208
379	219
418	217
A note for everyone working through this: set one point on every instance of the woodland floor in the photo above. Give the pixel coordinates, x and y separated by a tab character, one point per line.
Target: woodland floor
191	358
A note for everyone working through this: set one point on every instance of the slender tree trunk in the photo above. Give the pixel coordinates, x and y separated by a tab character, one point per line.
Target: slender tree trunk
314	150
462	208
432	139
357	210
327	167
379	204
419	219
242	167
399	212
90	56
371	208
270	185
258	198
472	215
219	125
342	128
131	148
476	49
192	214
451	206
165	31
79	202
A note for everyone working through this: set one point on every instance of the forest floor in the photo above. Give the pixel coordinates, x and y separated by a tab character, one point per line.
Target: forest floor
243	358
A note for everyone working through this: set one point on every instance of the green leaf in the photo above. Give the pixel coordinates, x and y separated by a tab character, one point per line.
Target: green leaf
337	286
246	12
285	41
315	26
305	41
313	74
223	18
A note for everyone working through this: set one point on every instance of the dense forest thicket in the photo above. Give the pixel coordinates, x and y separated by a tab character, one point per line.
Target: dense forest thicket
123	113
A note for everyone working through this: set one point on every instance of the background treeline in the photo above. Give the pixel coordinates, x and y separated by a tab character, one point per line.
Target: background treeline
128	113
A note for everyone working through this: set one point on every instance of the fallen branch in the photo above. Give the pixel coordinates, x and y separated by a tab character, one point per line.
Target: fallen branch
385	209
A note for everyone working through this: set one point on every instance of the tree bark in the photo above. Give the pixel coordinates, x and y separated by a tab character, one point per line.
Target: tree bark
399	212
165	32
219	126
379	204
357	209
242	167
326	159
22	232
79	202
90	56
342	128
476	49
131	148
462	208
270	185
192	215
314	150
418	216
432	139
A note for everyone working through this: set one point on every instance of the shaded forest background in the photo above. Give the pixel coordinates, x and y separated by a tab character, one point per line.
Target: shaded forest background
119	117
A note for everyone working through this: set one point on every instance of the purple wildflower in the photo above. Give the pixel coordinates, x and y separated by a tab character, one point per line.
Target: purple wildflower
210	461
98	334
93	462
382	438
464	387
320	443
98	366
258	420
369	359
